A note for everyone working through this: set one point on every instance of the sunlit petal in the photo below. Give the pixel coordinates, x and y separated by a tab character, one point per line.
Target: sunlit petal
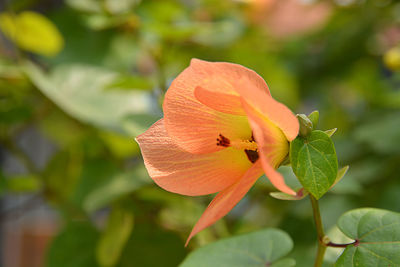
275	111
193	125
272	145
218	87
181	172
227	199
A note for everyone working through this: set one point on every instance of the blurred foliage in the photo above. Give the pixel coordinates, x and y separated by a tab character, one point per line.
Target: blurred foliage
245	250
90	75
32	32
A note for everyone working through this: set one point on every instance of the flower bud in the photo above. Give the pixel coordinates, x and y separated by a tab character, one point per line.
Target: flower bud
314	117
306	125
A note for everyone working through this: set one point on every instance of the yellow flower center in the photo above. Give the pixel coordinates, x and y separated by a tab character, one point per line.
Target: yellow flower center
248	146
244	144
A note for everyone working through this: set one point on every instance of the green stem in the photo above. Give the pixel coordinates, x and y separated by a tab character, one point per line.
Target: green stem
320	232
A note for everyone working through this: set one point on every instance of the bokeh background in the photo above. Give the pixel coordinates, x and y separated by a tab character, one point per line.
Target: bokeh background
79	79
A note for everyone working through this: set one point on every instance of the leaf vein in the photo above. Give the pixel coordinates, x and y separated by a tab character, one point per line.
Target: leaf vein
377	229
379	256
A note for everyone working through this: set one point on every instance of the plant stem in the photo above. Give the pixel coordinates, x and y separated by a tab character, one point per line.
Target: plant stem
334	245
320	232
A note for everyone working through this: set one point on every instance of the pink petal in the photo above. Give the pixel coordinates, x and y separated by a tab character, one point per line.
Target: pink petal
195	126
227	199
229	82
181	172
272	145
273	110
218	91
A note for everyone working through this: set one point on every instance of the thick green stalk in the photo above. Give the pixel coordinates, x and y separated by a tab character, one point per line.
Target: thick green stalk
320	232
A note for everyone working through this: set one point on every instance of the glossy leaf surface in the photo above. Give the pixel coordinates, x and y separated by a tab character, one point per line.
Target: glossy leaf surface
314	162
377	235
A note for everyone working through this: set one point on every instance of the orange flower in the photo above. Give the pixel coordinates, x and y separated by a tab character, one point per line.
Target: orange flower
220	132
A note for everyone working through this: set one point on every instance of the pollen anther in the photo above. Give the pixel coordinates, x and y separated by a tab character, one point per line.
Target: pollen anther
237	144
223	141
244	144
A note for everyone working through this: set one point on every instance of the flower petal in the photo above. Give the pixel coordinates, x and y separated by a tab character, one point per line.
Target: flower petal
193	125
227	82
181	172
227	199
272	145
222	102
219	81
275	111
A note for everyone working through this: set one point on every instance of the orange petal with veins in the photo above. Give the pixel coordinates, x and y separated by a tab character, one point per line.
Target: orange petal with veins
238	81
195	120
184	173
276	112
218	91
227	199
272	147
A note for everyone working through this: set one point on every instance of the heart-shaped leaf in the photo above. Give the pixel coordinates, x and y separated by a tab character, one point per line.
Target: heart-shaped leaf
262	248
314	162
377	238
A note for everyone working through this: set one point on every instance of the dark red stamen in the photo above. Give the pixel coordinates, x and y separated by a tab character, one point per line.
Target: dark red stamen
223	141
252	155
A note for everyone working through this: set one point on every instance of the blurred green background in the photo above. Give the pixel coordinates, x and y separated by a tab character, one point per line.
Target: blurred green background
79	79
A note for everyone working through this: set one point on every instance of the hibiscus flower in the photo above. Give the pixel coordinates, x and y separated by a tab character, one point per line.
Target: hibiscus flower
220	132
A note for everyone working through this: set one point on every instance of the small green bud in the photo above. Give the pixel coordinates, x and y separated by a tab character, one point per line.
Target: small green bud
306	126
314	117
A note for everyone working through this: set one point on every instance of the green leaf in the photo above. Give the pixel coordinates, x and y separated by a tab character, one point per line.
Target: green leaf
83	92
377	235
262	248
114	237
284	263
119	185
106	6
314	162
150	245
32	32
94	174
331	132
74	246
